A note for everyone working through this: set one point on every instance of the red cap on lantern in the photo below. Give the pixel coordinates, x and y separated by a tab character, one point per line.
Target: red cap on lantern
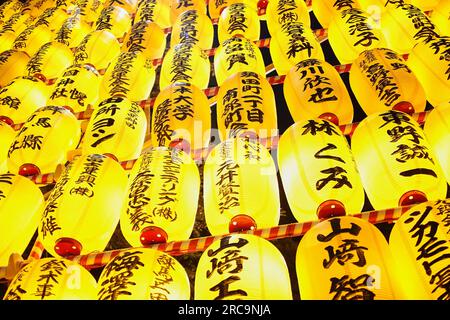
7	120
29	169
153	235
68	247
330	117
404	106
330	208
241	222
412	197
181	144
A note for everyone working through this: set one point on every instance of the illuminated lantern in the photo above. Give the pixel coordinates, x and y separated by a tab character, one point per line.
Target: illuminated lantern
157	11
215	8
98	48
83	209
88	9
258	270
193	27
440	17
9	8
20	98
240	187
7	135
53	18
381	80
246	105
345	258
177	7
348	44
131	75
76	89
237	54
425	5
162	200
144	274
185	62
6	40
73	31
20	202
395	162
429	63
37	7
117	128
13	64
43	142
16	24
114	19
239	19
129	5
52	279
374	8
280	12
32	39
147	38
419	242
181	114
326	10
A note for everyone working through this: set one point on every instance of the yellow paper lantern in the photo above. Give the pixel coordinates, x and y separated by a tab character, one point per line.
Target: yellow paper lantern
6	40
162	199
256	271
281	12
83	209
32	39
177	7
9	8
240	187
239	19
181	115
43	142
318	172
16	23
7	135
326	10
215	8
114	19
131	74
143	274
147	38
65	4
419	242
157	11
237	54
117	128
129	5
72	31
425	5
185	62
88	9
53	18
193	27
381	80
395	162
440	17
13	64
345	258
20	202
37	7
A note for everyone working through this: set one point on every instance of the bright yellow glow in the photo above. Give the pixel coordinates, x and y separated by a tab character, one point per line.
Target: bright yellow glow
72	31
147	38
279	12
12	64
6	40
129	5
177	7
326	10
154	11
7	135
32	39
426	5
216	7
194	27
440	17
238	19
114	19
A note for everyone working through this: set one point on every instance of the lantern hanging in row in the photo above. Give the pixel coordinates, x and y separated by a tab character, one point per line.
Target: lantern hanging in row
345	258
239	19
147	38
143	274
161	204
381	80
326	10
281	12
215	8
6	40
13	64
8	8
114	19
193	27
88	9
157	11
73	31
425	5
32	39
20	205
258	271
395	161
439	17
53	18
7	135
37	7
129	6
177	7
16	23
83	208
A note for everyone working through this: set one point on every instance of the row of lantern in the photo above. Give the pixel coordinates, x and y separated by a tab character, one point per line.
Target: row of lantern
342	258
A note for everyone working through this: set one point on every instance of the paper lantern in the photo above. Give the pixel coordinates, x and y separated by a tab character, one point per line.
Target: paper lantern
76	89
114	19
129	5
193	27
162	199
20	202
239	19
53	18
314	89
352	32
248	275
72	31
246	106
395	161
37	7
83	209
16	23
143	274
429	63
147	38
7	135
43	142
345	258
131	74
381	80
326	10
240	187
177	7
419	242
98	48
13	64
181	115
8	8
439	17
280	13
32	38
237	54
117	128
425	5
6	40
88	9
185	62
20	98
157	11
215	8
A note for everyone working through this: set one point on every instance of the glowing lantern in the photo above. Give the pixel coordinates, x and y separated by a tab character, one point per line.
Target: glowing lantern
381	80
440	17
251	275
280	13
16	23
7	135
32	38
72	31
215	8
193	27
13	64
145	274
20	98
240	187
83	209
157	11
326	10
181	115
53	18
76	89
185	62
130	75
177	7
6	40
114	19
129	5
162	200
237	54
88	9
117	128
425	5
429	63
347	43
395	162
345	258
20	202
37	7
145	37
239	19
98	48
374	8
9	8
43	142
419	242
